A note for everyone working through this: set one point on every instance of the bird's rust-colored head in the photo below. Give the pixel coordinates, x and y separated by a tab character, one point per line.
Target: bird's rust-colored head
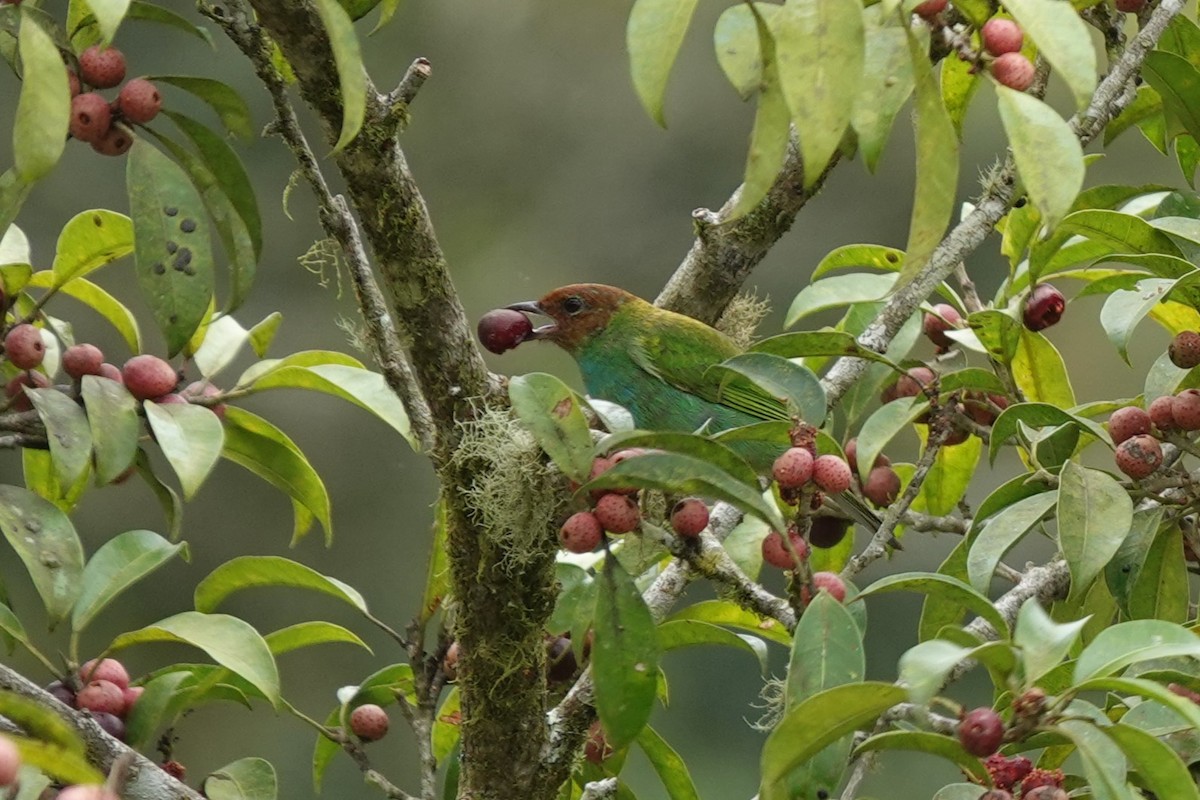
579	311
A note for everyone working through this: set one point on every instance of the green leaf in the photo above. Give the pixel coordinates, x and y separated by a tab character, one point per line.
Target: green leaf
1001	532
1186	710
686	443
945	587
437	576
1124	568
13	191
108	14
305	358
933	743
1163	772
934	193
653	36
959	84
149	12
998	331
191	437
47	543
947	480
244	779
737	42
817	343
1177	83
1159	590
352	76
687	475
873	256
172	506
780	378
113	416
1124	233
99	301
247	572
840	290
1103	762
883	425
224	99
266	451
44	107
554	415
1038	415
162	701
1048	155
40	722
723	612
231	642
1094	516
925	666
671	769
1127	643
1125	308
1043	642
692	632
172	246
820	49
624	656
119	563
1063	38
63	765
1040	372
12	629
796	739
307	634
67	431
886	84
772	128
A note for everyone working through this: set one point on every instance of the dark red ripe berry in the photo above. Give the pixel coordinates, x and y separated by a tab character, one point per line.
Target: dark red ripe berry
14	389
1016	72
1162	412
24	346
101	696
830	582
793	468
140	101
910	384
62	693
103	68
111	724
561	664
1127	422
1044	306
82	359
776	554
930	8
1184	350
147	377
617	513
832	474
1139	456
1130	6
935	325
503	329
851	451
1000	36
981	731
10	761
980	409
1185	410
689	517
827	531
581	532
108	669
882	486
369	722
116	142
91	117
1006	771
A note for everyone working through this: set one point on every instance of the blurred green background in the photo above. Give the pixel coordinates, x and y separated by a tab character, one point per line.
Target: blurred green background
540	169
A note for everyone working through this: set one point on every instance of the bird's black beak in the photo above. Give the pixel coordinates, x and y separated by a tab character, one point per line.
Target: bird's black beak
532	307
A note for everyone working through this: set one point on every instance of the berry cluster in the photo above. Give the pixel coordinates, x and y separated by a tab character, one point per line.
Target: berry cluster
103	691
981	731
1002	39
101	123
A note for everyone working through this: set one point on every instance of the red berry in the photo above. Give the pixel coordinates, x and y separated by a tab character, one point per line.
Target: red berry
450	662
111	724
1045	304
103	68
832	474
140	101
1130	6
581	532
91	117
81	792
827	531
944	318
62	693
112	372
978	406
1184	350
503	329
981	731
147	377
1000	36
776	554
1016	72
793	468
108	669
132	695
103	696
882	486
689	517
73	82
618	513
116	142
851	451
561	664
930	8
10	761
830	582
369	722
1185	410
1007	771
1139	456
82	359
14	389
203	390
24	346
1127	422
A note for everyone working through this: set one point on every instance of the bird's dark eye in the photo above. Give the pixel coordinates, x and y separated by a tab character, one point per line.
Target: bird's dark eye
573	305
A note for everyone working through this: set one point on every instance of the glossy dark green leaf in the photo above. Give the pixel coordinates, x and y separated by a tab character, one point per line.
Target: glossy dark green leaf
780	378
67	431
653	36
223	99
1094	516
1185	710
624	656
248	572
1131	642
46	542
1146	104
1160	588
44	105
1001	532
352	76
168	498
1162	771
1125	567
671	769
553	413
946	587
772	129
191	437
119	563
1048	155
244	779
939	611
